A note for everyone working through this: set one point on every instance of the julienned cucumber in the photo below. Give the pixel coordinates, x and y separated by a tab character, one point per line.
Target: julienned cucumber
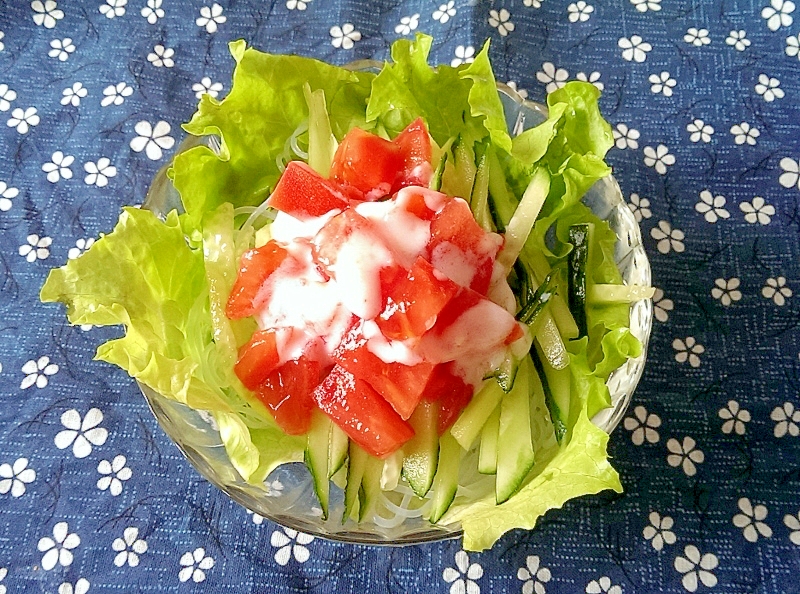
316	457
579	238
487	455
445	484
422	452
515	453
468	426
556	388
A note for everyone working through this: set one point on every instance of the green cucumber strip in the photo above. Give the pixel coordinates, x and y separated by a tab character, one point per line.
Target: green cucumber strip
445	484
521	223
515	454
355	473
579	238
459	172
608	294
502	203
390	473
548	337
468	426
370	490
321	141
556	394
563	318
506	372
316	457
487	455
337	450
436	179
541	297
479	200
422	452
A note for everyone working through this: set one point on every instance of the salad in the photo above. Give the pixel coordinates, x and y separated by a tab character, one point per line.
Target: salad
371	276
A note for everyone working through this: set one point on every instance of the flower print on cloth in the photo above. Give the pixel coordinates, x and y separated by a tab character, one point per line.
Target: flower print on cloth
793	46
97	174
113	8
684	454
712	207
688	350
579	11
643	426
521	92
58	550
662	83
46	13
553	77
297	4
161	56
274	488
726	291
194	565
738	39
778	14
699	131
750	520
81	434
152	139
603	585
593	78
745	133
776	289
290	543
211	18
114	473
36	248
793	524
634	48
152	11
58	167
115	94
81	587
757	211
501	20
625	137
532	3
787	420
81	245
23	119
36	372
445	12
407	24
640	207
734	418
645	5
14	478
465	54
668	238
7	95
206	87
533	576
3	573
791	173
7	194
661	305
344	37
769	88
129	548
73	95
658	158
258	519
696	566
698	37
61	49
462	578
2	45
659	531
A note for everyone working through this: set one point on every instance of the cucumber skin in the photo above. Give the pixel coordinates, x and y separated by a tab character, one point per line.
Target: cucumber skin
556	414
316	458
421	459
579	237
445	484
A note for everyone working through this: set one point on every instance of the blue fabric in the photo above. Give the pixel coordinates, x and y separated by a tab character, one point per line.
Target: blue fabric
93	496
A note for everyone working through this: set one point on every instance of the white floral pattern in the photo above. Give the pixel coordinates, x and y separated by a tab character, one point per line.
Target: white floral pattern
787	420
501	20
643	426
37	371
153	140
661	305
640	207
81	245
81	587
579	11
688	350
194	565
697	37
659	531
685	454
23	119
291	543
696	566
793	524
465	54
113	474
14	478
463	577
407	24
7	194
206	87
129	548
726	290
751	520
553	77
625	137
534	576
81	433
113	8
345	37
73	95
699	131
445	12
211	17
7	95
659	158
46	13
778	14
634	48
776	289
712	207
745	133
734	418
152	11
668	239
115	94
757	211
61	49
58	549
603	585
161	56
769	88
738	39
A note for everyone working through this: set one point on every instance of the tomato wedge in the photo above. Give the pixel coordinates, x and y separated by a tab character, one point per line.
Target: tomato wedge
361	413
303	193
367	162
287	392
400	385
450	391
257	359
415	144
255	268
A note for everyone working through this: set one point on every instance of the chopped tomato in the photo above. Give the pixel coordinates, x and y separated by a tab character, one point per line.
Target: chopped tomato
361	413
287	392
257	359
303	193
415	144
414	302
450	391
400	385
367	162
421	202
460	248
255	268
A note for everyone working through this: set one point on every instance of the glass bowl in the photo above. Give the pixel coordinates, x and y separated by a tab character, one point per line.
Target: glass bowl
287	496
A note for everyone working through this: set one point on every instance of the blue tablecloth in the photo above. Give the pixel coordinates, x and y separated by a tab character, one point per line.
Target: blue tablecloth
704	98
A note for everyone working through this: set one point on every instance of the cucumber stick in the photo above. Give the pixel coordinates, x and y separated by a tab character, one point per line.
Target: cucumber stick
356	466
316	458
556	386
479	200
487	455
521	223
459	172
445	484
468	426
515	455
422	452
607	294
321	141
337	450
579	238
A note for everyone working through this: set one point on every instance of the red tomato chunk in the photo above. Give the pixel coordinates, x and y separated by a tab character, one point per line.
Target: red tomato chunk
287	392
450	391
255	268
257	359
303	193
